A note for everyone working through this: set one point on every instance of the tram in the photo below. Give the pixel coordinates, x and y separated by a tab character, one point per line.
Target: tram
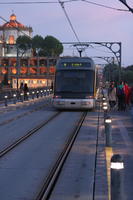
75	83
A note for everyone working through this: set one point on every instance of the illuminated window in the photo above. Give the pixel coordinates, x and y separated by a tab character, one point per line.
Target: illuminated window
11	39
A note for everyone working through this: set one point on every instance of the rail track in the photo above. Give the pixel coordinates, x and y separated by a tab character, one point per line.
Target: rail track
27	135
50	176
24	114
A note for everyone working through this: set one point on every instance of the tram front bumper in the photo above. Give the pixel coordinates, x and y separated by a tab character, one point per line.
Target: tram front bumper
74	103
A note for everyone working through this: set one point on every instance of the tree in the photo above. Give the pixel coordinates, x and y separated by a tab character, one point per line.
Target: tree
23	43
111	72
37	44
52	46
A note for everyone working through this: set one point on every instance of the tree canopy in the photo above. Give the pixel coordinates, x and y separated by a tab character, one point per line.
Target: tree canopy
111	73
48	46
23	42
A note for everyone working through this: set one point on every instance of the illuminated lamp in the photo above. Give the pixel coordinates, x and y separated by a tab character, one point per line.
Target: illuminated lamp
13	17
105	108
14	71
117	162
43	81
34	81
108	120
105	103
11	39
23	70
4	71
33	70
52	69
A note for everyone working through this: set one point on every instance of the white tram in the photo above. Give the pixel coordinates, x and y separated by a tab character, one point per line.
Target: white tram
75	83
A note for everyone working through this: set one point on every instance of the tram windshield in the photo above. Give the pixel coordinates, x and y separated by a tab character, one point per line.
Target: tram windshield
75	81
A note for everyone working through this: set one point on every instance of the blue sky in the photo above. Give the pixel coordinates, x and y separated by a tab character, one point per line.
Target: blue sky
92	24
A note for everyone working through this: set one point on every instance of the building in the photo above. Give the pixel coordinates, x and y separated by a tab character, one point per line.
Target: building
36	71
9	32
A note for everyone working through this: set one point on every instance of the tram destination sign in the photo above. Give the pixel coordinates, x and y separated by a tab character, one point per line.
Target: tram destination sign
76	64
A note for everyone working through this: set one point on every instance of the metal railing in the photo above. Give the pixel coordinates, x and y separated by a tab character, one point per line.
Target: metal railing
14	96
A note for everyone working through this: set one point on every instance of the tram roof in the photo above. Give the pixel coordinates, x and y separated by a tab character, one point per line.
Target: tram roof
75	60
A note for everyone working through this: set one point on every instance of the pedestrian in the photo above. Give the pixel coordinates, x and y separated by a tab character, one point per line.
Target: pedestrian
21	87
121	97
131	95
26	89
112	96
127	94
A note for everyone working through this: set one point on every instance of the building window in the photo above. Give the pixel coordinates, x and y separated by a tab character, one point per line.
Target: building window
11	39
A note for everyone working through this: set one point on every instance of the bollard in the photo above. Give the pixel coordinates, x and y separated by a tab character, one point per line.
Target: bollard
45	93
41	93
27	96
37	94
50	91
105	103
14	98
117	166
105	108
108	131
5	99
104	99
22	97
33	94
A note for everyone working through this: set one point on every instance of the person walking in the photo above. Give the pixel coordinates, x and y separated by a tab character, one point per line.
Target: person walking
26	89
121	97
112	96
21	87
127	94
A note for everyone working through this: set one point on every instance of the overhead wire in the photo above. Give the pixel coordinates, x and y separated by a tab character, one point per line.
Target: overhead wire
36	2
65	1
102	5
62	5
70	23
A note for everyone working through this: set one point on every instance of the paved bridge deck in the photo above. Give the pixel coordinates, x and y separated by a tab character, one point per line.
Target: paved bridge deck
122	144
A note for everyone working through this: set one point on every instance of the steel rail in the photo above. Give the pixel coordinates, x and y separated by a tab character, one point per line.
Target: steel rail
22	115
53	175
27	135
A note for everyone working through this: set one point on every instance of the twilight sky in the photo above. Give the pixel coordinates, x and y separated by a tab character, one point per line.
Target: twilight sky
91	23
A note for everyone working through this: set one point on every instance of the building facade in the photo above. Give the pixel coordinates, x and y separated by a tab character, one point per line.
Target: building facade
14	68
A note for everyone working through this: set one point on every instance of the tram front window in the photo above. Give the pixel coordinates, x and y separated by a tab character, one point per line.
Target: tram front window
75	81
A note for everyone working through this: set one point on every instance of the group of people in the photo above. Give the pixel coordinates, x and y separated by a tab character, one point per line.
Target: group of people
120	95
24	88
